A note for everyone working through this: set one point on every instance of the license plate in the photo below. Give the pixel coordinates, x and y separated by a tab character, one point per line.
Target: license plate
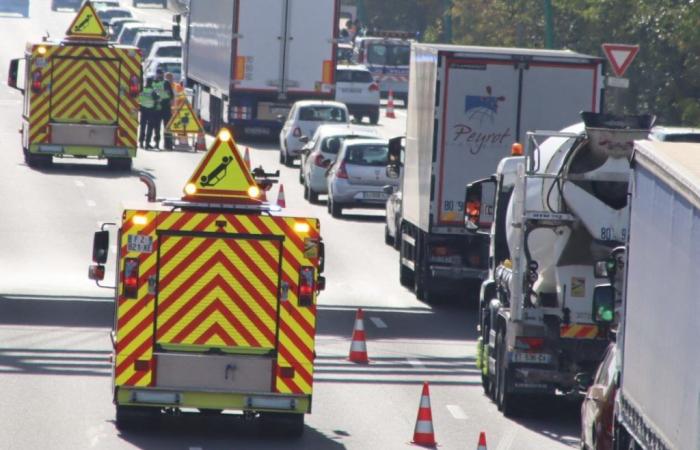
351	90
375	195
139	243
531	358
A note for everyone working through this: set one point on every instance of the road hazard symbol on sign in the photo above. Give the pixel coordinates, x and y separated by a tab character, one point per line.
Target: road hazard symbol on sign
184	121
222	175
87	25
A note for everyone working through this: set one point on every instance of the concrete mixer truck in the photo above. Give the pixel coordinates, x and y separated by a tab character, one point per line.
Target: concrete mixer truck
555	215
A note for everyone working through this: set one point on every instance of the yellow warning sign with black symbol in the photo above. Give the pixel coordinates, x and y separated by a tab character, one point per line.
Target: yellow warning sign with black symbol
222	175
87	25
184	121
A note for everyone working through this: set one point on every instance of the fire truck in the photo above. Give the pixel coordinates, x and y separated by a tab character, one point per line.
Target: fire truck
80	95
215	299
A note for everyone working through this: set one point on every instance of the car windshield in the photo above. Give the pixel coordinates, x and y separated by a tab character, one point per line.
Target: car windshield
385	54
355	76
322	114
367	154
107	14
174	68
174	51
129	33
331	144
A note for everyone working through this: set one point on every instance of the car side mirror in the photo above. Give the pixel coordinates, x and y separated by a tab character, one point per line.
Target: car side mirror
396	149
604	303
388	189
322	258
12	76
393	171
100	247
480	204
597	393
584	380
96	272
304	139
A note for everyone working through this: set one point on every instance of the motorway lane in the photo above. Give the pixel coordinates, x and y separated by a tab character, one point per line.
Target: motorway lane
54	323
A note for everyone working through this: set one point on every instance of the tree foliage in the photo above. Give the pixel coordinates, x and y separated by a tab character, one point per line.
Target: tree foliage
664	77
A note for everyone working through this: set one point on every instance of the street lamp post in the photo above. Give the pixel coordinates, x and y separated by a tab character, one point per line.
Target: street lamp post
548	25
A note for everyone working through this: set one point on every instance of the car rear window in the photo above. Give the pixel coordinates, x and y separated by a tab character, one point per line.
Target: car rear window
353	76
389	54
322	114
367	154
331	144
170	52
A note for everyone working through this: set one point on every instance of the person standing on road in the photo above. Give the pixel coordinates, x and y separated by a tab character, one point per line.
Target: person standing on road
147	99
165	92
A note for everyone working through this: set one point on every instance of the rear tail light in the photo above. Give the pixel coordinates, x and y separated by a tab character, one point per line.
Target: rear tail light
342	172
373	87
442	250
134	86
320	161
297	132
529	343
36	81
131	277
306	286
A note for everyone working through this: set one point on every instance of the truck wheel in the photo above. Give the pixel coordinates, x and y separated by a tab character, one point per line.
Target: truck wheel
120	164
388	240
282	424
406	275
134	417
374	117
504	399
37	161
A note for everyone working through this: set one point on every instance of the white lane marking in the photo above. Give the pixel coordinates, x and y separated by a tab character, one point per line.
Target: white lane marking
91	203
416	363
506	442
79	183
378	322
457	412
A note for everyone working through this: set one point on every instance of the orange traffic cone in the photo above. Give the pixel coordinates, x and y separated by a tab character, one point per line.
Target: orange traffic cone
390	106
358	346
246	157
424	434
482	442
201	144
280	198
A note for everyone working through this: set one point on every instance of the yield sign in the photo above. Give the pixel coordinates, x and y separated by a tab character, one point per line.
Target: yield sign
620	56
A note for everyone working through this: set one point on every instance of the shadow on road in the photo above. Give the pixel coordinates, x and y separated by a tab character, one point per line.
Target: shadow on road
557	418
225	431
87	169
56	310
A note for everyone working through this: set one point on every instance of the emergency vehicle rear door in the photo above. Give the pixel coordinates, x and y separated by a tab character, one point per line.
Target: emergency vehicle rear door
218	291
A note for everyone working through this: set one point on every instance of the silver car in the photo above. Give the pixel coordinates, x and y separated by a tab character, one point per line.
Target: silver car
358	176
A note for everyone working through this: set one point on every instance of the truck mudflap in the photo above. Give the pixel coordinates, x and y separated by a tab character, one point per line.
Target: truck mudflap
457	273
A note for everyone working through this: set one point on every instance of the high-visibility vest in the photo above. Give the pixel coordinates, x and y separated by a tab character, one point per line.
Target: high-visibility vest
180	96
146	98
163	93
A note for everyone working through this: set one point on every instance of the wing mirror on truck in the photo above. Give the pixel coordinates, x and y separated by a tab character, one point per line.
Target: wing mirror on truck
395	157
480	204
100	248
604	303
13	77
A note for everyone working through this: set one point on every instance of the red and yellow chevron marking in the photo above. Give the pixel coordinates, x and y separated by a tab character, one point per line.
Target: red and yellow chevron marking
217	292
85	83
579	331
221	316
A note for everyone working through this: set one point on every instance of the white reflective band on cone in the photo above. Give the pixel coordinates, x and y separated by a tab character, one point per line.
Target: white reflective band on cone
359	325
424	427
359	346
424	401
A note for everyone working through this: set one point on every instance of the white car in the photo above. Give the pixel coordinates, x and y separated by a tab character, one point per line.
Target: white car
302	121
165	49
172	65
144	40
130	30
355	87
107	14
320	153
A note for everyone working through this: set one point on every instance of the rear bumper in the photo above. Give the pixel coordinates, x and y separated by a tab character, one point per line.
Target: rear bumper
255	127
348	195
457	273
362	109
232	401
62	150
317	179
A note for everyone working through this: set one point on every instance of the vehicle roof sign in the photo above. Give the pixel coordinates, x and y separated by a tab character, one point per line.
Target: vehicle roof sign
87	25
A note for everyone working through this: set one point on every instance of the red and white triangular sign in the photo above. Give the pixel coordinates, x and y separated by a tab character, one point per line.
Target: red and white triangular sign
620	56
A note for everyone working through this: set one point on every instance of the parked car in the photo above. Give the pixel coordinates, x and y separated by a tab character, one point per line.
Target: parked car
165	49
129	31
116	25
162	3
15	6
107	14
66	4
358	176
302	121
675	134
597	407
144	40
321	152
355	87
393	220
172	65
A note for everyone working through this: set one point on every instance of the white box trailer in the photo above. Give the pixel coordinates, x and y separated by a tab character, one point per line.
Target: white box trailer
467	106
658	402
249	60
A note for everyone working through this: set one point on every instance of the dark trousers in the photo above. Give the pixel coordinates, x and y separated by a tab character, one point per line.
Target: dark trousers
165	115
145	130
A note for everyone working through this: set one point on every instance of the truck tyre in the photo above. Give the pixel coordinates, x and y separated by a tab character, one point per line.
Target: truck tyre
134	417
282	424
37	161
374	117
120	164
406	275
388	240
505	400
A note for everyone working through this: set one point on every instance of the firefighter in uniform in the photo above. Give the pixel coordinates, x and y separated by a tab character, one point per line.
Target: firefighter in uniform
165	92
147	100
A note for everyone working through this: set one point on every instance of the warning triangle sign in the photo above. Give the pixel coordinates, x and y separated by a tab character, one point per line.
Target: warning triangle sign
620	56
184	121
87	25
222	176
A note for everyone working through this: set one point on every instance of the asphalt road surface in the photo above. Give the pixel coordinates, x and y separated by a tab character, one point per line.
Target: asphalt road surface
54	323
